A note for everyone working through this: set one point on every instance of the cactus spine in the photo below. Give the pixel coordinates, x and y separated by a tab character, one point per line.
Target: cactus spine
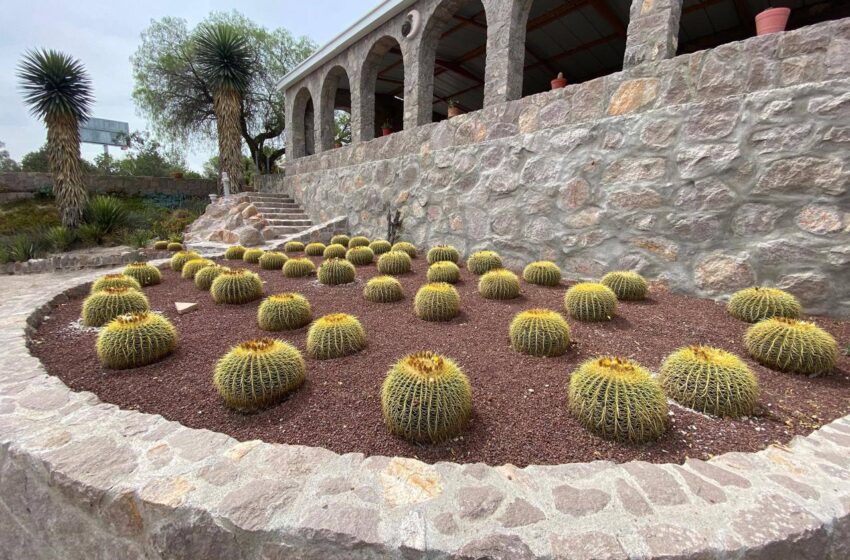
182	257
334	251
426	398
191	268
115	281
542	273
444	271
437	301
234	253
334	336
252	256
273	260
394	262
340	239
236	286
383	289
618	399
408	248
145	274
258	373
360	255
281	312
358	241
588	301
626	285
103	306
204	278
440	253
135	339
293	247
334	272
314	249
380	246
710	380
483	261
793	346
298	268
540	332
499	284
754	304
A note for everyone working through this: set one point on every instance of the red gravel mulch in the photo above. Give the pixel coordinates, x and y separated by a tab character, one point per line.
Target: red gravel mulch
519	401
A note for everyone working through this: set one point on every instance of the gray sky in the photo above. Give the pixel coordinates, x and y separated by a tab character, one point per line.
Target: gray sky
103	34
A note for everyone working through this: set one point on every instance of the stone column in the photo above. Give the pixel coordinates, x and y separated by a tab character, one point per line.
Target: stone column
653	32
288	103
506	21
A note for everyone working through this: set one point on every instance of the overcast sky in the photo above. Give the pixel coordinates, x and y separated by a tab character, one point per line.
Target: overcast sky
103	34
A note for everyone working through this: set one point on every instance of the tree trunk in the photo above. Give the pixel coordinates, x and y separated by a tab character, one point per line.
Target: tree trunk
63	157
227	114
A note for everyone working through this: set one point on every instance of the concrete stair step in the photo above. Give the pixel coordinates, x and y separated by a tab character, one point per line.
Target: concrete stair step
285	216
281	231
269	198
303	223
279	206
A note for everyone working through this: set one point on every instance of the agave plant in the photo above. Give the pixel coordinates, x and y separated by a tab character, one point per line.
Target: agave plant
58	90
225	60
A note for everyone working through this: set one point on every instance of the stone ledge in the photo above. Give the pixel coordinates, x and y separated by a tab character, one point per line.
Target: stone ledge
71	261
82	479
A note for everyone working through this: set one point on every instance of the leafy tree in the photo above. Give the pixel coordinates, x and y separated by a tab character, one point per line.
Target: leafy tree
6	162
146	158
172	93
342	128
58	90
36	161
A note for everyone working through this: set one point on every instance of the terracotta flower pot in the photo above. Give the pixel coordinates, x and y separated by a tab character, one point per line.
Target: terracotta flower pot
559	82
772	20
454	112
386	131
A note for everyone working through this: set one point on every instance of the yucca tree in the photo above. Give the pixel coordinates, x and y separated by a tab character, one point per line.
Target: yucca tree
225	61
58	90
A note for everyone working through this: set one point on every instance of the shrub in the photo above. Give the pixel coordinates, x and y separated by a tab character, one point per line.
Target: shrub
234	252
273	260
161	245
426	398
145	274
293	247
542	273
589	301
258	373
174	246
236	286
443	271
437	301
334	251
333	272
105	212
383	289
334	336
360	255
754	304
90	235
358	241
394	262
115	281
499	284
408	248
340	239
61	238
380	246
440	253
626	284
204	278
710	380
314	249
103	306
793	346
180	258
298	268
284	312
540	332
483	261
252	256
135	339
618	399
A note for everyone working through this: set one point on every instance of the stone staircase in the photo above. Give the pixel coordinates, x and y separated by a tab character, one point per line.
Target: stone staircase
283	215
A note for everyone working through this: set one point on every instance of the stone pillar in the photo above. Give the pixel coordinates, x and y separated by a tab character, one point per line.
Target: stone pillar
288	103
506	21
653	32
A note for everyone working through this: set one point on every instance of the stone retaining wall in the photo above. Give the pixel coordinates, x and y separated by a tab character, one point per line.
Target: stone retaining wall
82	479
710	171
17	185
88	258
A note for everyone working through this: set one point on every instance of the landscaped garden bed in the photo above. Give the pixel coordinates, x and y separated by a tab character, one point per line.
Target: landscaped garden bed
519	402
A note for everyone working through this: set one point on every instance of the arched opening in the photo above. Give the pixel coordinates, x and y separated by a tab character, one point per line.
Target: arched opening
706	24
336	109
382	98
303	133
581	40
454	58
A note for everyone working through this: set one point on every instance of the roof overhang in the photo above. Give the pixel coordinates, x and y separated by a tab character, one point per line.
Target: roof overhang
376	17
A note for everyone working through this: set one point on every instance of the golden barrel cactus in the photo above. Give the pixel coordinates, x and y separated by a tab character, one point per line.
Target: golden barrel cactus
754	304
540	332
103	306
626	284
334	336
358	241
380	246
204	277
145	274
293	247
340	239
191	268
115	281
252	256
299	268
437	301
236	286
360	255
793	346
334	272
483	261
542	273
589	301
180	258
499	284
135	340
440	253
273	260
284	312
444	271
314	249
234	252
334	251
383	289
394	262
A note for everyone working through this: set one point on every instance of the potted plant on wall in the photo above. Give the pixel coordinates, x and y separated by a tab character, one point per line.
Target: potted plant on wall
559	82
772	20
387	128
454	108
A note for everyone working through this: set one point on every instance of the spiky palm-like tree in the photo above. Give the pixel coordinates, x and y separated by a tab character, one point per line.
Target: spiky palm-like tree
58	90
225	62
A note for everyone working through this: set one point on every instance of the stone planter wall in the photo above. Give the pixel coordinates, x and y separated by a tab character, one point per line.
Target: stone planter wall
711	171
107	257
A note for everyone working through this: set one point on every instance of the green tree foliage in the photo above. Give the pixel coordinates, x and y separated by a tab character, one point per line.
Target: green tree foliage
6	162
146	157
173	95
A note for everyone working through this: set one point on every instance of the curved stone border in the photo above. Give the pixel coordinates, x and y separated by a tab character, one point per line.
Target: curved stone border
70	261
83	479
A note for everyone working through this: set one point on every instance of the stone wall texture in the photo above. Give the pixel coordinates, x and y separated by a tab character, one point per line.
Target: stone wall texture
26	184
711	172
